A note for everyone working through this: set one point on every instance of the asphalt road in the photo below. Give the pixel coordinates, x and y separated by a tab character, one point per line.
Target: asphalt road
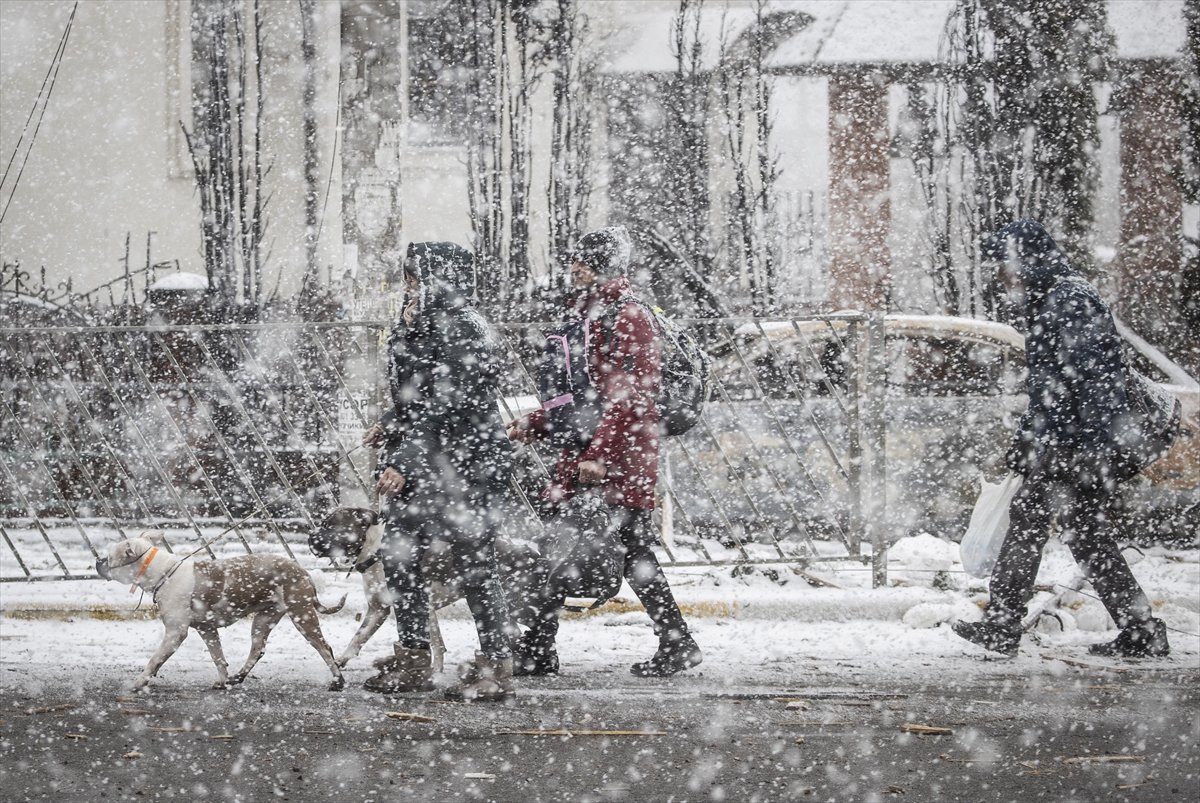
1070	733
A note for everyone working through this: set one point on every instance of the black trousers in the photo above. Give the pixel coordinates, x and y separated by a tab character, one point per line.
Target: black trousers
467	522
642	572
1080	506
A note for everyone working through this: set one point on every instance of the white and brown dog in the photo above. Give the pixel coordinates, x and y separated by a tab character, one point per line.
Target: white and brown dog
351	538
209	594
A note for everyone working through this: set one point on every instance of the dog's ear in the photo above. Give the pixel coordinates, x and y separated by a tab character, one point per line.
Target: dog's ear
156	537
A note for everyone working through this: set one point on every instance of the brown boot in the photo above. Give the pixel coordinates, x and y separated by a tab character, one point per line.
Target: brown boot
484	680
408	671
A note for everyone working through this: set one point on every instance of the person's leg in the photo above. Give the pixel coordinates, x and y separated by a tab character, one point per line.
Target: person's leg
403	548
474	548
645	576
1016	568
1088	531
404	545
1013	576
677	650
469	529
535	652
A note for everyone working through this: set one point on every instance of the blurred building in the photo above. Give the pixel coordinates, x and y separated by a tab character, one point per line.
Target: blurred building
391	103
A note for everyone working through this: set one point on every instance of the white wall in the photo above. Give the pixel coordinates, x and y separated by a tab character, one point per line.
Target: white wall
107	159
100	164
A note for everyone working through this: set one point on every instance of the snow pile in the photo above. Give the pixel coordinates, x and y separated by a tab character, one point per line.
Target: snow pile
922	555
759	623
181	281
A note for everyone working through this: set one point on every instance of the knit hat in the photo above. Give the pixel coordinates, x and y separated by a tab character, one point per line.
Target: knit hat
606	251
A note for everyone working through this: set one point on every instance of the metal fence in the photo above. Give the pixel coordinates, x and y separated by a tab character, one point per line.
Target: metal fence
252	432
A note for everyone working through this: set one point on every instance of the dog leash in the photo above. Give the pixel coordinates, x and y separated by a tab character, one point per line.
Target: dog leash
207	542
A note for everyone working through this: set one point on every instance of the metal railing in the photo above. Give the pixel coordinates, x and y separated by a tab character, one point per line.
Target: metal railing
255	429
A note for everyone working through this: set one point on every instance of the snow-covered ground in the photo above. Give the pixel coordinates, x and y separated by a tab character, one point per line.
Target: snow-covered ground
768	627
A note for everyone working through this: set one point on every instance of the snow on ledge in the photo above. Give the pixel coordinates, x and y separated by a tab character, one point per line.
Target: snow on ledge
181	281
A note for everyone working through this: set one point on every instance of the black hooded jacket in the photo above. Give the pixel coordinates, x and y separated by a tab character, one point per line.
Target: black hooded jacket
1076	382
443	372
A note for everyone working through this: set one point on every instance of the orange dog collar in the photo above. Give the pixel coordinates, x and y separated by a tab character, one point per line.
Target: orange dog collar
145	565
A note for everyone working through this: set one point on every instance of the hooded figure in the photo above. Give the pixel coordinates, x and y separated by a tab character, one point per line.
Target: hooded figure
1065	447
444	272
441	415
444	462
1077	397
620	460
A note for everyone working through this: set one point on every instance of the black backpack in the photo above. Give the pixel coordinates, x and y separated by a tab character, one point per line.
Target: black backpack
686	376
572	404
1152	425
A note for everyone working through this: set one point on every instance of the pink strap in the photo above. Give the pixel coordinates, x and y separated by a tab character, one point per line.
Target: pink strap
558	401
566	352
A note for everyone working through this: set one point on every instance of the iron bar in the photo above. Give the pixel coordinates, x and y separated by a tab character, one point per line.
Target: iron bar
184	441
29	444
243	475
126	475
36	519
100	497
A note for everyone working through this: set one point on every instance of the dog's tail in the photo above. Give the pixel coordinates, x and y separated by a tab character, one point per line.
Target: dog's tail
322	609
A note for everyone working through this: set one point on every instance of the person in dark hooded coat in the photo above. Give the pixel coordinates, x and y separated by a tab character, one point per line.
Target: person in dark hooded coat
445	463
1066	446
621	458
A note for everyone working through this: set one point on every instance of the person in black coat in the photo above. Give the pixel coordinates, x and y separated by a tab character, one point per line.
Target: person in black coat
445	461
1066	446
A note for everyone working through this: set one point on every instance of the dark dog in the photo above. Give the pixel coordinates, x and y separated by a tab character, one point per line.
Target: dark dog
351	537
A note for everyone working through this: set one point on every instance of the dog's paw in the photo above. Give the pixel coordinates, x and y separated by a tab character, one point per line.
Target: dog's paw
221	685
235	680
337	684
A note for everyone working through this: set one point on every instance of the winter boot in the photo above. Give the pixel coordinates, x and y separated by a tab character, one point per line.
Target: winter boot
407	671
991	635
674	655
1148	640
386	663
531	659
484	680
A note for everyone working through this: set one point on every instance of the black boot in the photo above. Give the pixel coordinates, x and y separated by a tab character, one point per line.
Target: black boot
991	635
534	658
1148	640
673	656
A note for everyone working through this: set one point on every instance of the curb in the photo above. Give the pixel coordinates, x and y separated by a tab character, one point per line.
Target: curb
99	613
754	600
709	609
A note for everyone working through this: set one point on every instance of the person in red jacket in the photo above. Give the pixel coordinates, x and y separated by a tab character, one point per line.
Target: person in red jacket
621	458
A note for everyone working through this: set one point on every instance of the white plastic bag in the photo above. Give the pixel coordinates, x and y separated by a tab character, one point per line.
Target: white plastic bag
989	523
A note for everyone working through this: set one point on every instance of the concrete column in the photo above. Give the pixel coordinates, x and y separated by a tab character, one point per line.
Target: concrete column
859	202
1151	248
372	74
